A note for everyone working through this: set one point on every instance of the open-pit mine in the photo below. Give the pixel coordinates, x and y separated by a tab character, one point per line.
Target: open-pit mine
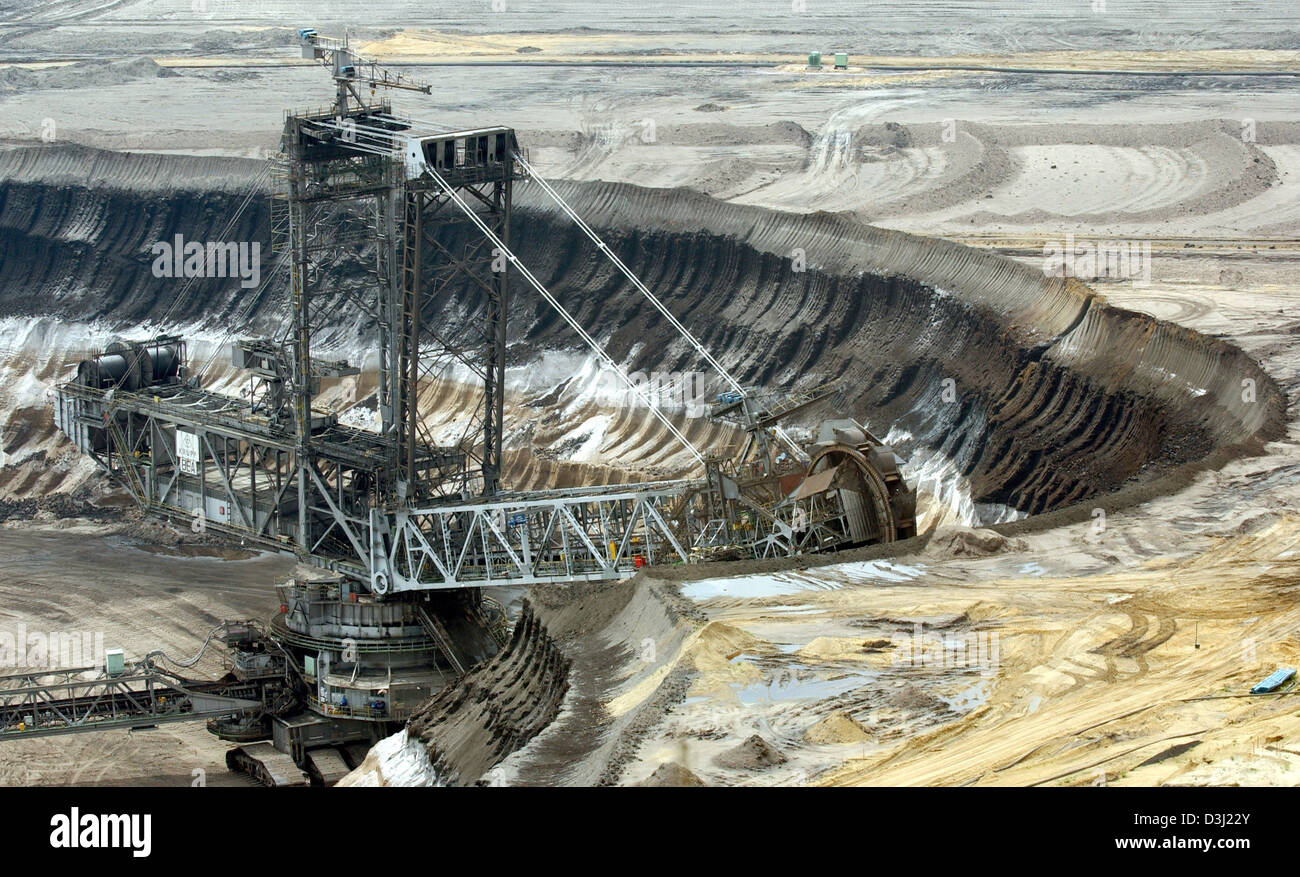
580	397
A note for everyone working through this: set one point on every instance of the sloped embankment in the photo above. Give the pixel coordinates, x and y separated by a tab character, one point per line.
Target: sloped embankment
590	672
468	727
1039	392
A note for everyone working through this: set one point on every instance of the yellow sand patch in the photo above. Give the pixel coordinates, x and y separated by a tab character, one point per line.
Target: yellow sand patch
848	648
838	727
713	650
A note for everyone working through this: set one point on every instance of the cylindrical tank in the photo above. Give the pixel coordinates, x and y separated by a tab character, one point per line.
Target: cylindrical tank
165	362
102	371
130	365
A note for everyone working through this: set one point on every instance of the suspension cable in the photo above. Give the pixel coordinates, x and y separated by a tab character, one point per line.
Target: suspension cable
645	291
185	291
560	309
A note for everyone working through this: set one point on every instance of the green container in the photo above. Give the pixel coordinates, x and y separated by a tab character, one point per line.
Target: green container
841	60
114	662
815	59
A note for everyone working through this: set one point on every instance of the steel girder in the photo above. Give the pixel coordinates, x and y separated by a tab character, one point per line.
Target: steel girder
584	535
46	703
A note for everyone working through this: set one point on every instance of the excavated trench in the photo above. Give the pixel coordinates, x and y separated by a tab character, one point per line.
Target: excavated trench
1038	393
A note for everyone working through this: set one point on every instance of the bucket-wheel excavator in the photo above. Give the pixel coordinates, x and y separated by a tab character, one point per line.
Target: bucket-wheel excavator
399	532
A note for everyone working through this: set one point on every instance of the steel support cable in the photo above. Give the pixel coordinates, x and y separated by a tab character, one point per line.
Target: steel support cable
252	190
560	309
438	127
189	286
244	311
618	263
351	131
650	296
395	139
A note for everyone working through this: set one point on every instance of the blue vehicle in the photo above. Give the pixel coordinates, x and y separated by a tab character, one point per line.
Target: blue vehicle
730	397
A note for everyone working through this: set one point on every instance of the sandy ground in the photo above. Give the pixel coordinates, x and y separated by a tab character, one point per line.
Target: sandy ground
1086	665
1118	650
115	581
1066	657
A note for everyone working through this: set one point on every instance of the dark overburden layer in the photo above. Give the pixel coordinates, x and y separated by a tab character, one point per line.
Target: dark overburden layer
1041	393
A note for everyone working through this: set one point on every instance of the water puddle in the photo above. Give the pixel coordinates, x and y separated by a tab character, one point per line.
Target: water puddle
969	698
826	578
788	687
799	682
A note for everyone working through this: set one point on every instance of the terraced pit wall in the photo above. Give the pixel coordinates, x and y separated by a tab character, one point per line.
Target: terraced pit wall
1055	395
